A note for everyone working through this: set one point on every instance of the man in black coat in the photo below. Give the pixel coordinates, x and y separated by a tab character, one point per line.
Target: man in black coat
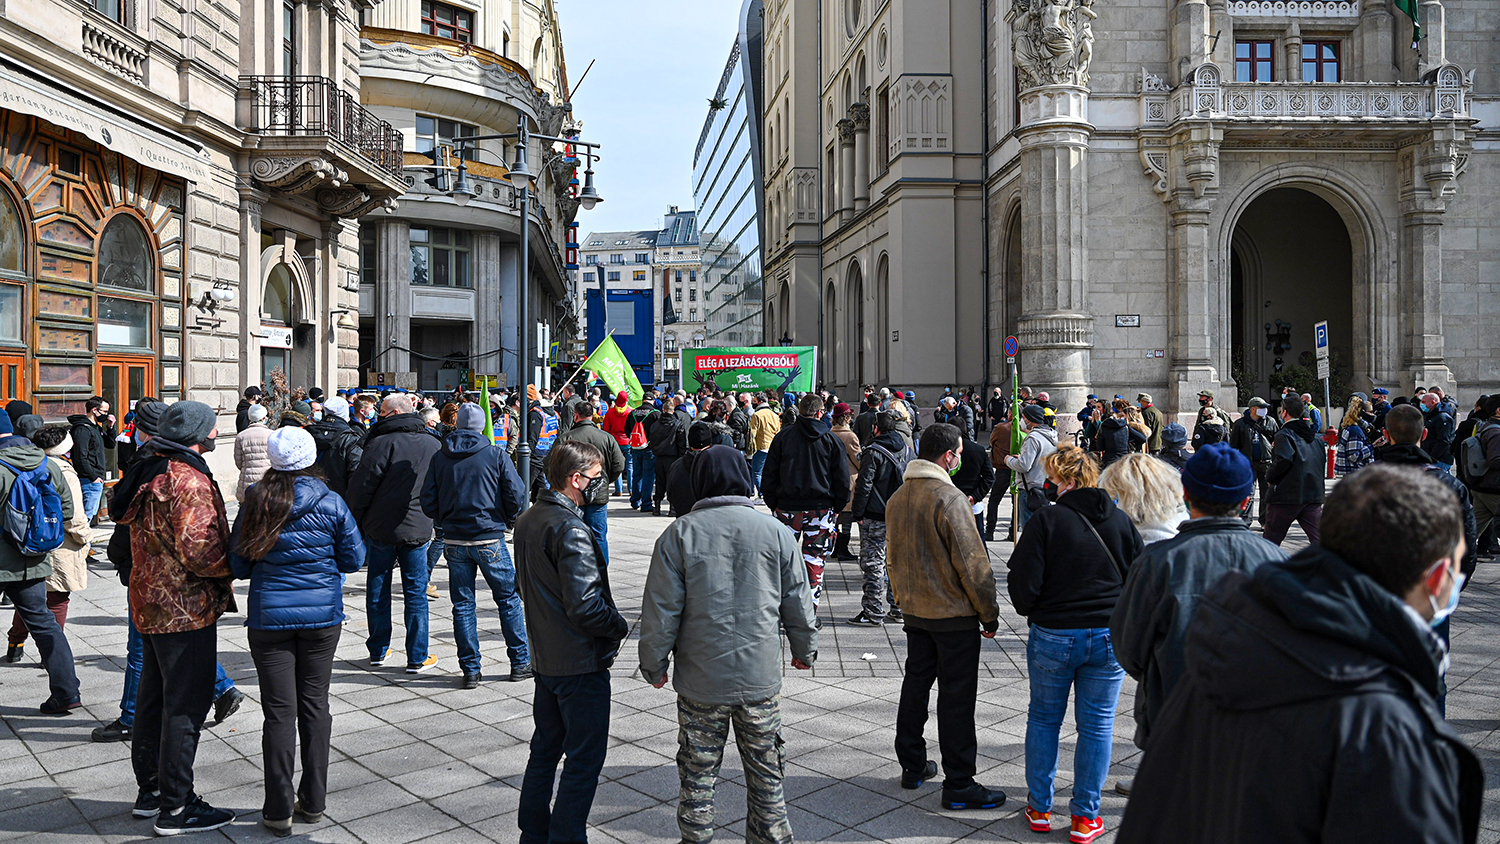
976	476
806	482
1150	621
680	485
882	466
575	636
1295	475
864	423
1440	429
1307	712
666	436
1252	435
385	496
242	410
340	446
93	431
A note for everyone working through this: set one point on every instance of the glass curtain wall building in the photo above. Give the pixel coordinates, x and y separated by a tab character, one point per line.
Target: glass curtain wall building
727	190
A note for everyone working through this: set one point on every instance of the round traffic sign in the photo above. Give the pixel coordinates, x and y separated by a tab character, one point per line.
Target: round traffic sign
1012	346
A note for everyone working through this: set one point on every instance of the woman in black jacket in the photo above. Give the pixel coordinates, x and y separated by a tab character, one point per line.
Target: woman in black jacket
1065	577
1116	438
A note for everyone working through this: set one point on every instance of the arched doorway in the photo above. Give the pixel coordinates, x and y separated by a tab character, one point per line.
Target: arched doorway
856	330
1291	265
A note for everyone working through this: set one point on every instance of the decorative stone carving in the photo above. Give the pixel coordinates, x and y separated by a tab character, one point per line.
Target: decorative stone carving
1150	83
293	175
860	114
804	192
1154	159
1052	41
1295	8
1059	330
846	131
921	114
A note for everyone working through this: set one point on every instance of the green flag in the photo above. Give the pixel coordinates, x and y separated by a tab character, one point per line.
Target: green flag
609	362
1410	8
484	399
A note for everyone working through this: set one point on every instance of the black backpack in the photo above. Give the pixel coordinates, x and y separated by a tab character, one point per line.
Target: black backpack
666	429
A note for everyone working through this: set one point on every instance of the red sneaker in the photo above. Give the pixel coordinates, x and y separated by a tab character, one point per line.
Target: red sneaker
1040	821
1085	830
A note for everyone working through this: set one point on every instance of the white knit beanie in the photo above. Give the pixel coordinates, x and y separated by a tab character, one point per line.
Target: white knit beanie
337	406
291	448
257	413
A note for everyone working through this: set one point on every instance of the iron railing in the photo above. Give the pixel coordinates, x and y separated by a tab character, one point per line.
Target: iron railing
316	105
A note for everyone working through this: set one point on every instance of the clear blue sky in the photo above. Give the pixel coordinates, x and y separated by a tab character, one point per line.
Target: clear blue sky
658	63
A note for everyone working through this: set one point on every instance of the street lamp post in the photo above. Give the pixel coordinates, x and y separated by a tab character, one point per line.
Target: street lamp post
522	178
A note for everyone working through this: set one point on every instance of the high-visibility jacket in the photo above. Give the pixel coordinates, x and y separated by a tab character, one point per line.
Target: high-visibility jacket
502	431
548	435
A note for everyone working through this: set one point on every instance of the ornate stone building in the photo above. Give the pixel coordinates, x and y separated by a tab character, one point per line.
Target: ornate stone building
1164	192
174	183
439	288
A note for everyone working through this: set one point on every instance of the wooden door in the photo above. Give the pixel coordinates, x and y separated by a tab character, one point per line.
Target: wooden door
123	380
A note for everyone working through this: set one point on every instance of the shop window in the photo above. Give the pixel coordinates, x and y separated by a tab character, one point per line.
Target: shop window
124	323
11	330
447	21
1320	61
1253	62
12	243
125	256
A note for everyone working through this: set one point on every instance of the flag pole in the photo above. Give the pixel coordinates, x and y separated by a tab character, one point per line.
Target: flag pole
585	360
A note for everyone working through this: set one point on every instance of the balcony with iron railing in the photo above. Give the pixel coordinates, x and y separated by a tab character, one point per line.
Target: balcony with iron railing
316	137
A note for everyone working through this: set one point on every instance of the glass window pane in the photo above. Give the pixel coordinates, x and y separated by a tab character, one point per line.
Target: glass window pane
276	306
417	234
1242	49
419	265
124	322
10	313
10	235
440	235
461	238
137	388
1263	71
460	269
1309	51
1309	71
440	275
424	125
124	258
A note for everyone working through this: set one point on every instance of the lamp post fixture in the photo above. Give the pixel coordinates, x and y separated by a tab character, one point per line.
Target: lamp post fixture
522	179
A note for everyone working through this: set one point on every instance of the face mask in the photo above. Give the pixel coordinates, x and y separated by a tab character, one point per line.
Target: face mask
593	488
210	444
954	470
317	416
1203	402
1260	412
1440	614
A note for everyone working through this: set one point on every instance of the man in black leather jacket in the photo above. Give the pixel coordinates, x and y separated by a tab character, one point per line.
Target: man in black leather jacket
575	634
1296	475
882	463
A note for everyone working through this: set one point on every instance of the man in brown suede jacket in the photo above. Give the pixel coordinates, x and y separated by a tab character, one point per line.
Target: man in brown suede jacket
941	576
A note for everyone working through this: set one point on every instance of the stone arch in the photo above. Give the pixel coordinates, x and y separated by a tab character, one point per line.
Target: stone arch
854	307
862	80
303	303
828	326
1377	343
883	318
15	253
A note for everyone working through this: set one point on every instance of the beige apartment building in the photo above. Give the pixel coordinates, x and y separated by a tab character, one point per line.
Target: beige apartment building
439	277
1147	196
177	187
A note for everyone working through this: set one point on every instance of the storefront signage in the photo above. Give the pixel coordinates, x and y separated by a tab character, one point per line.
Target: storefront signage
275	338
138	143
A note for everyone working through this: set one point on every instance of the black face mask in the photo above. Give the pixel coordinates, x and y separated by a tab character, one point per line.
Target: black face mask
595	485
209	444
1203	402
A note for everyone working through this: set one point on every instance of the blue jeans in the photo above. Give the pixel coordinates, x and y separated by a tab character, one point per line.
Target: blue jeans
134	658
382	560
93	491
492	561
598	522
1059	660
571	718
642	477
622	483
757	466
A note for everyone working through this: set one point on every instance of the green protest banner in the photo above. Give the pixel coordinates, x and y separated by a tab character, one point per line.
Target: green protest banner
609	363
781	369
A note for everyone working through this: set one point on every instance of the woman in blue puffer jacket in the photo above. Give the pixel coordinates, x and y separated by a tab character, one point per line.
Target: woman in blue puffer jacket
294	540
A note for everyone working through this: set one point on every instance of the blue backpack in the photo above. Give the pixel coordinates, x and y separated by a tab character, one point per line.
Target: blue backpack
33	511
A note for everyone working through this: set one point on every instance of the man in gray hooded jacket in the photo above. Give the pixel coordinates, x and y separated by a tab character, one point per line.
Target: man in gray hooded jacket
722	577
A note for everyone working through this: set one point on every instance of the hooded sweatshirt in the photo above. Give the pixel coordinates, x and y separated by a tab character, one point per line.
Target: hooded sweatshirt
1307	714
806	468
1040	441
1296	473
14	565
723	578
1060	575
472	489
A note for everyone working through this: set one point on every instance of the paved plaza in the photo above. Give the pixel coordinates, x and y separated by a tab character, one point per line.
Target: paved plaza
416	758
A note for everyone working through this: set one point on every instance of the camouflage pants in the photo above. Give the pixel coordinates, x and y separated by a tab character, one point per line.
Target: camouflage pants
872	564
817	531
757	730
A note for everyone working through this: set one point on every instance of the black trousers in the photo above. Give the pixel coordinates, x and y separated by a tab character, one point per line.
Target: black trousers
30	598
178	671
294	667
951	659
663	473
1002	485
1263	487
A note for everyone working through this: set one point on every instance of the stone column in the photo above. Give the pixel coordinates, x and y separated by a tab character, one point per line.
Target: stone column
846	170
1375	41
510	317
860	114
326	288
1293	60
1055	329
250	293
393	297
1428	172
489	304
1190	38
1197	320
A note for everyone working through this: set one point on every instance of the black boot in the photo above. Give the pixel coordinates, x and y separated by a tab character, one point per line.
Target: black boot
841	548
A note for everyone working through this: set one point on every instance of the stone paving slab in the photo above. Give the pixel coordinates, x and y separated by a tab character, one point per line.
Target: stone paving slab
415	758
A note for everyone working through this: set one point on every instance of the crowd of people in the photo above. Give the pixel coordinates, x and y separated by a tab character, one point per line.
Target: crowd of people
1140	549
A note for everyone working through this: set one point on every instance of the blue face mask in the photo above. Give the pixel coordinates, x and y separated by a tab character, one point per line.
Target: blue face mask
1440	614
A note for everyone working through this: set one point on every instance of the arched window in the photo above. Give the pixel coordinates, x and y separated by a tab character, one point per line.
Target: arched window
883	319
669	343
12	244
856	331
698	341
830	334
125	256
277	304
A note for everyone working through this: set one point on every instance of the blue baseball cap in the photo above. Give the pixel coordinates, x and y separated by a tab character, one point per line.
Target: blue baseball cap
1381	391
